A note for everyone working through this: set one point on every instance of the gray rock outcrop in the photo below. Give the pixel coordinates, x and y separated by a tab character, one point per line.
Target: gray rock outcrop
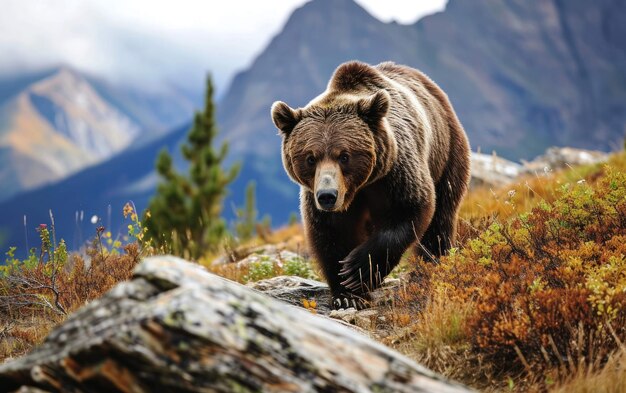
563	157
494	171
177	328
294	290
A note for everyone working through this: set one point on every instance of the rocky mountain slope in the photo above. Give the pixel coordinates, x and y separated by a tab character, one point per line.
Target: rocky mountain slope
523	76
60	123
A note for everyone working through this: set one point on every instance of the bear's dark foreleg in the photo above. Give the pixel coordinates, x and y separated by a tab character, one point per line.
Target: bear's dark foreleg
439	237
330	239
365	268
329	247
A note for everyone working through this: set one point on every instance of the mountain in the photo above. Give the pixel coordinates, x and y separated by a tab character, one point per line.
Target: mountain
157	108
63	121
55	127
527	75
100	190
522	76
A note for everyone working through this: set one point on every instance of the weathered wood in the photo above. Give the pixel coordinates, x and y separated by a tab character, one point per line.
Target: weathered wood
177	328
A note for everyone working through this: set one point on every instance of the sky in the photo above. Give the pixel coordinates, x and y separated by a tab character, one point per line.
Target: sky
125	40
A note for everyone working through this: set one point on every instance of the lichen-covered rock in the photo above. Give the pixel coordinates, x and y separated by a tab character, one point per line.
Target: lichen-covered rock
177	328
297	291
315	295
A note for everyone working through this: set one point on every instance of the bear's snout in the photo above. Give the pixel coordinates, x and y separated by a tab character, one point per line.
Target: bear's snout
327	198
329	192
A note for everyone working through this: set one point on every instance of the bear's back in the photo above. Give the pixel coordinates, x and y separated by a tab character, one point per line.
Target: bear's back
441	116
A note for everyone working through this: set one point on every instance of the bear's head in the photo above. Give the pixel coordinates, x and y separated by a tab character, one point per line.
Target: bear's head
335	146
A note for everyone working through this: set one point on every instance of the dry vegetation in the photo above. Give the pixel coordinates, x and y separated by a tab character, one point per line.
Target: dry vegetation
532	299
260	267
38	292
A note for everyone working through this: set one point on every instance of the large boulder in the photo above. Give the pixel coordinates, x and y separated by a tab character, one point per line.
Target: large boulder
177	328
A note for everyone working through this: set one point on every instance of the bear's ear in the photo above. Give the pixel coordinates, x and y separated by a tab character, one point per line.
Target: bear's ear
284	118
374	107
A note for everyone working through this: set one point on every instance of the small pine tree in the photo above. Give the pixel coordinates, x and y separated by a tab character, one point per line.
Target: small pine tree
185	214
246	216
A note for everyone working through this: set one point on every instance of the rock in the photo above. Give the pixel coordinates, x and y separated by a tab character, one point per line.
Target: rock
562	157
264	264
295	290
242	253
280	250
361	318
311	295
277	257
177	328
492	171
269	254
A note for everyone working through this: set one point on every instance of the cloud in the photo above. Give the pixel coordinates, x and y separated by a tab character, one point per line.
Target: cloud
145	41
141	40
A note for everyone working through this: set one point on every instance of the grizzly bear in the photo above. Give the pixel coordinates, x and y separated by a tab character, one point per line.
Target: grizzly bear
383	163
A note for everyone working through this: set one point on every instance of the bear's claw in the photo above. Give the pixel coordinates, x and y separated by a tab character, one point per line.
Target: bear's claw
358	273
345	301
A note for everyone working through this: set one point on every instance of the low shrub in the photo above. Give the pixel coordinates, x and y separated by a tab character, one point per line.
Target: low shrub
260	270
41	290
548	287
298	266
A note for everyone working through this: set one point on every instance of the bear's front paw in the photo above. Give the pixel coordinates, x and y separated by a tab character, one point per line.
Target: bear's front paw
359	273
348	300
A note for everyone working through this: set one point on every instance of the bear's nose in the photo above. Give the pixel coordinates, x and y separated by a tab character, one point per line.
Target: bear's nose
326	198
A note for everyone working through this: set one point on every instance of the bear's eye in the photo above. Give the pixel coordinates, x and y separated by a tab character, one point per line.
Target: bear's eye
310	160
343	158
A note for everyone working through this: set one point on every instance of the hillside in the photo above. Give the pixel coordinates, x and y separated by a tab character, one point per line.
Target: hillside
76	199
57	123
531	298
522	76
537	272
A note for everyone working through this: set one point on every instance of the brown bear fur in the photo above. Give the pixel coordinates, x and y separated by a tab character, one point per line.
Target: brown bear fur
382	161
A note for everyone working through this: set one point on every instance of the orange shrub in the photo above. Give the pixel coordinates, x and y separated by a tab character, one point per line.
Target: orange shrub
543	278
40	291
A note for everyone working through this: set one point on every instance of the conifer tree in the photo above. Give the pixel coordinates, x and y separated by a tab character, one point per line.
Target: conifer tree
185	214
247	216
